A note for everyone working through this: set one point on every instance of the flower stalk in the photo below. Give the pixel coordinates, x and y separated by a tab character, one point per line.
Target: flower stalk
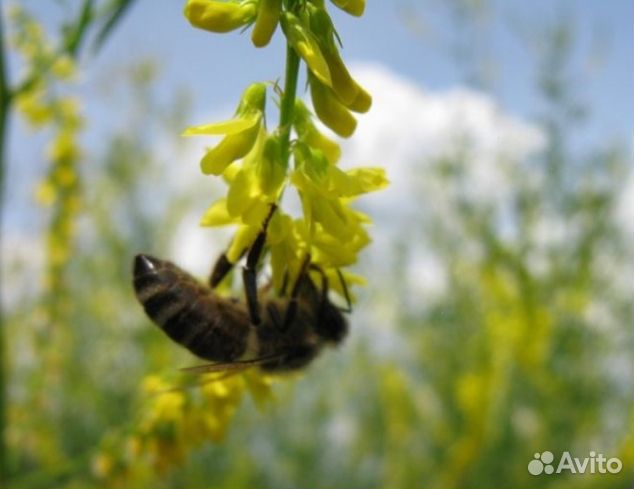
288	101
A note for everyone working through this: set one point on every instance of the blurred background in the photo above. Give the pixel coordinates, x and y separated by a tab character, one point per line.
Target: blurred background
496	322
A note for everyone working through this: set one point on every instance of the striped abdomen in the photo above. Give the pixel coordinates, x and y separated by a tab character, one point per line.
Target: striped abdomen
210	327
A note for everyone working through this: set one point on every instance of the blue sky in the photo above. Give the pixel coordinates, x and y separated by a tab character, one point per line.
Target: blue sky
216	67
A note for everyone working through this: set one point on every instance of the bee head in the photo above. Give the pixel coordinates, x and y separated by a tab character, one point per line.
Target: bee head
331	324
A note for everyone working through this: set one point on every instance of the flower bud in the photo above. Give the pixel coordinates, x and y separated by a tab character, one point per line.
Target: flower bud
330	111
362	102
266	22
308	134
306	46
231	148
342	83
347	90
270	168
241	132
219	16
353	7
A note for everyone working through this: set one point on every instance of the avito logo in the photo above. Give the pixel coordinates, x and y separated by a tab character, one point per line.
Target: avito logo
542	463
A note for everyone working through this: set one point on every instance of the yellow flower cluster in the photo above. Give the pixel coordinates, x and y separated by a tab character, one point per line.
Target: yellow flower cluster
255	162
42	105
176	420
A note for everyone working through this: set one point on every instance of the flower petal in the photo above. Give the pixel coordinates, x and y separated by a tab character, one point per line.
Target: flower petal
217	215
353	7
306	46
330	111
242	240
217	16
266	22
231	148
232	126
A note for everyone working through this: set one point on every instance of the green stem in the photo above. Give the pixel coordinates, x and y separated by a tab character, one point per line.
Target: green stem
287	105
5	104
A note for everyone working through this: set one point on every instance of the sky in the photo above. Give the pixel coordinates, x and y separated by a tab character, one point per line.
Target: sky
418	44
413	38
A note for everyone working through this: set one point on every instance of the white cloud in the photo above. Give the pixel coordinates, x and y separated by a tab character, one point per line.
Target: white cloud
409	128
407	131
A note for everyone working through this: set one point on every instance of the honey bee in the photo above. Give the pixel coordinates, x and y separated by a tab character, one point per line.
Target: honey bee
281	334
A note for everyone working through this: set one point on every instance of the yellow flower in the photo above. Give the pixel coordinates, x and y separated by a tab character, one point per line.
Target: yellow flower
241	132
153	384
266	22
269	169
33	108
353	7
217	215
102	465
254	185
46	193
304	43
242	240
165	414
334	231
347	90
219	16
287	242
245	201
314	174
329	110
64	147
362	102
64	68
307	133
259	386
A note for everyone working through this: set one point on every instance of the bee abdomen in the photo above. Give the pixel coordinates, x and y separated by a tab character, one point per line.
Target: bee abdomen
187	312
217	330
166	308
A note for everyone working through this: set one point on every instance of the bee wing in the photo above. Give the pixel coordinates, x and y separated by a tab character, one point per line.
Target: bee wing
236	366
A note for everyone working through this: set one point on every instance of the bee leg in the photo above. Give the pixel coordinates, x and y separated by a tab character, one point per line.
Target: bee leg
284	284
324	287
291	310
222	267
275	316
249	273
249	277
346	293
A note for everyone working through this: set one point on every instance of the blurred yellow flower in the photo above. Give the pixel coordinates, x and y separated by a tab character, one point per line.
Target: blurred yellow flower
64	68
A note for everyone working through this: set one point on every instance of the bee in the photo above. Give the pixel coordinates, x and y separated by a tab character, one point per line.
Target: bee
280	334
